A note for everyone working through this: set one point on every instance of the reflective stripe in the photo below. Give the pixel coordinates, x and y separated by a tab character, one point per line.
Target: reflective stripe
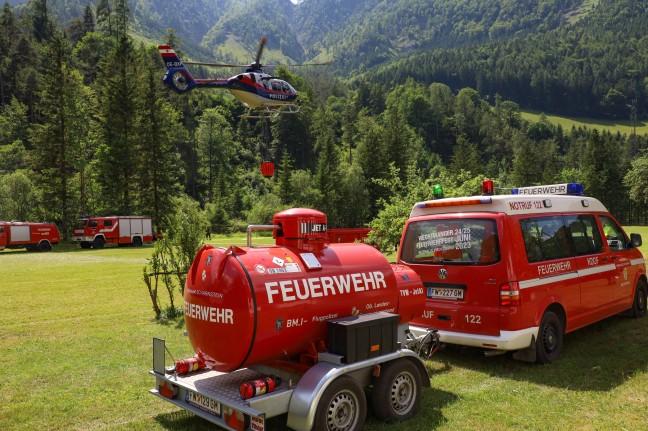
525	284
597	269
547	280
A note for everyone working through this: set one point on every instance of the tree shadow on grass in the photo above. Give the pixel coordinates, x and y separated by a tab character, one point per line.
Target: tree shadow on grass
599	357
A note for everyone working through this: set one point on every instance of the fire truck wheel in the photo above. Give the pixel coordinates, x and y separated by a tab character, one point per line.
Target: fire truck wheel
44	246
137	241
98	243
397	392
550	338
639	304
85	244
343	407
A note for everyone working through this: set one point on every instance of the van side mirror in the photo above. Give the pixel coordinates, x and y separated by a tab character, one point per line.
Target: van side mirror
635	239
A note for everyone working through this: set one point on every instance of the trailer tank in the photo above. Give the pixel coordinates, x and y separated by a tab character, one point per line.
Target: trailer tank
250	305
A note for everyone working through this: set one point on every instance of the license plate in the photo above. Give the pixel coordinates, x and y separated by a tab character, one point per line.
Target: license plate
445	293
204	402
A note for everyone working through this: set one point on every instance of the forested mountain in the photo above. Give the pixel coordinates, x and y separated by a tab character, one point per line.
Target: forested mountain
365	34
596	67
359	34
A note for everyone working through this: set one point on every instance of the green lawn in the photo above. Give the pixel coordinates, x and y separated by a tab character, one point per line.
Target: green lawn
623	127
75	346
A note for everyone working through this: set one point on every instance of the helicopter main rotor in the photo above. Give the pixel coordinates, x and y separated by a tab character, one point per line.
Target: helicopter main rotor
256	65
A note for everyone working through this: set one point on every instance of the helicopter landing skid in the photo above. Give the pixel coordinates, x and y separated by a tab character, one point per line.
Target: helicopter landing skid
268	112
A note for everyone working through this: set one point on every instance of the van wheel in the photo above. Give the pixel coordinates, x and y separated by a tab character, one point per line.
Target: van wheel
397	392
44	246
98	242
639	304
550	338
343	407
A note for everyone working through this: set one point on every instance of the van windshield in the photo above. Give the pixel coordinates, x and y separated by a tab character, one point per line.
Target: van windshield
451	241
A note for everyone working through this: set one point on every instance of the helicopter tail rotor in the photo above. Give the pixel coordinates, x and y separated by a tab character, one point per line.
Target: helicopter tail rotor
177	76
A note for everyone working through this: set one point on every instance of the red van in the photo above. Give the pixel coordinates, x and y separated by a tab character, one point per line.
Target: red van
516	272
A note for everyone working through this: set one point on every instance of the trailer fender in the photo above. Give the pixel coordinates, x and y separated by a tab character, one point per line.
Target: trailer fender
308	392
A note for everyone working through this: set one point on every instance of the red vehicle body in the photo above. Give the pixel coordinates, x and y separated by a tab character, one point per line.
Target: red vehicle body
32	236
516	272
298	329
96	232
348	234
266	303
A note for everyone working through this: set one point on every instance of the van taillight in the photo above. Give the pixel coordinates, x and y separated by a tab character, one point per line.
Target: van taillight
510	294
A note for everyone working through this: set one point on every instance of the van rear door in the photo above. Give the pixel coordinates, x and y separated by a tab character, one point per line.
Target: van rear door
459	261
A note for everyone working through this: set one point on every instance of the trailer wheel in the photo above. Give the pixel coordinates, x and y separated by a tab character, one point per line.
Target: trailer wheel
550	338
343	407
98	242
639	304
397	391
44	246
137	241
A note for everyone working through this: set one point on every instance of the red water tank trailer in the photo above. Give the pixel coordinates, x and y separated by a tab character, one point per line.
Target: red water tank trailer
252	305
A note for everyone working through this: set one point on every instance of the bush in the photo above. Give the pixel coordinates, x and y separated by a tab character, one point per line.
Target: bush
173	254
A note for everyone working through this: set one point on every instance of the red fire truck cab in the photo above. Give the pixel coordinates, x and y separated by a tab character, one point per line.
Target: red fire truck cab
516	272
95	232
32	236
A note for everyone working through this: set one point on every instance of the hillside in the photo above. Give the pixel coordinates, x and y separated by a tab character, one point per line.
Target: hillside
359	34
595	67
570	57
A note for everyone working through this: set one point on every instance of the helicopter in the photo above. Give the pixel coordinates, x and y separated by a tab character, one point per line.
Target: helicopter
263	95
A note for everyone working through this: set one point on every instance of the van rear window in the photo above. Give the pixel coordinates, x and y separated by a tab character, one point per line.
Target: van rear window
459	241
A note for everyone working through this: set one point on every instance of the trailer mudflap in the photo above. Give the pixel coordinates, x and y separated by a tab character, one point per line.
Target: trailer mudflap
215	397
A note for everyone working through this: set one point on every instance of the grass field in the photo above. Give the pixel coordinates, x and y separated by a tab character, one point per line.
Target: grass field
75	347
623	127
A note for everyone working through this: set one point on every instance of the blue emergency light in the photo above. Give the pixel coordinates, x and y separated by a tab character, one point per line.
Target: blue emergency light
575	189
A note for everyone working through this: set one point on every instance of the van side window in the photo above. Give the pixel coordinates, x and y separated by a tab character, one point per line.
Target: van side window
614	235
545	238
585	234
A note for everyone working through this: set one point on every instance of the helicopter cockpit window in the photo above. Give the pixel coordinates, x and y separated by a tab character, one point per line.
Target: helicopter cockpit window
276	86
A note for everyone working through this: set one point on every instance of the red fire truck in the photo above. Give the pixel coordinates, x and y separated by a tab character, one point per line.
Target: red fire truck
96	232
298	328
516	272
32	236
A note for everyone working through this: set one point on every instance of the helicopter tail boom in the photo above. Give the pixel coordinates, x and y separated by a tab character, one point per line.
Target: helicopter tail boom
178	77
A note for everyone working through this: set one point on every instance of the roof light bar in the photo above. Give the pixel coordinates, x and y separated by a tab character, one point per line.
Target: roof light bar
454	202
551	189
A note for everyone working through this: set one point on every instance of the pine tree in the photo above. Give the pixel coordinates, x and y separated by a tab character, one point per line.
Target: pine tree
118	85
42	26
63	128
214	139
158	129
